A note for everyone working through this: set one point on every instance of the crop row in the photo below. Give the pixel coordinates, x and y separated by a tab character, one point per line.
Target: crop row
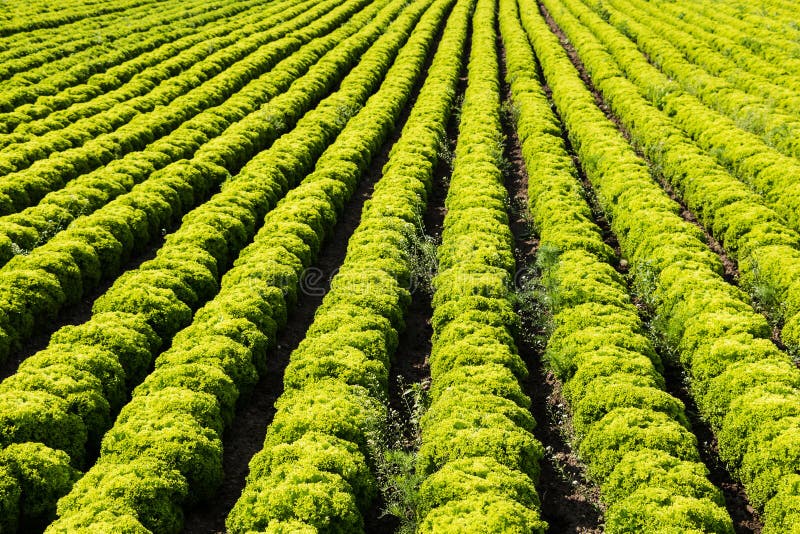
742	42
766	250
24	150
181	142
65	16
34	226
12	47
132	78
769	25
736	64
781	95
49	45
9	44
744	387
189	264
36	286
317	447
110	354
134	291
148	23
764	14
222	74
168	438
478	455
52	77
751	111
632	435
775	176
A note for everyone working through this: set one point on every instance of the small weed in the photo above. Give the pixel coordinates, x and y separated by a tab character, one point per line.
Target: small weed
518	210
394	454
445	152
424	262
765	297
534	308
457	105
53	228
17	250
642	279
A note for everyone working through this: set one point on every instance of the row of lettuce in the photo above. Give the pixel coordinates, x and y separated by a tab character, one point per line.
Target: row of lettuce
746	40
633	436
317	449
34	226
768	16
751	110
737	64
24	20
156	299
743	385
129	79
92	46
777	89
754	235
478	455
13	47
167	439
50	77
34	287
75	150
166	443
774	175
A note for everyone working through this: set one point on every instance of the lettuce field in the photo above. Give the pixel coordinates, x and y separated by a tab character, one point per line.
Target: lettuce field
435	266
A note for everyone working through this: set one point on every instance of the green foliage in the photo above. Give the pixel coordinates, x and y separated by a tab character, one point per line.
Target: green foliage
132	200
80	389
479	475
783	507
491	379
41	417
10	493
597	344
653	468
337	378
176	438
604	396
477	450
304	494
127	336
144	489
164	311
626	429
234	359
481	513
42	476
660	510
721	340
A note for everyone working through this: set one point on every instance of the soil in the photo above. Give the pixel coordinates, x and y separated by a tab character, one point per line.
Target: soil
570	503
